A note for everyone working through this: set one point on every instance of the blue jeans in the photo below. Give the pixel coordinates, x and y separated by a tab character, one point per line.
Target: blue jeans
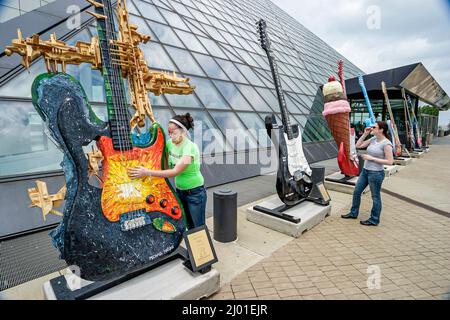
194	204
374	179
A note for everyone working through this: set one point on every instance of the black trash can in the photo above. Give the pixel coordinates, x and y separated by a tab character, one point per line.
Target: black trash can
225	215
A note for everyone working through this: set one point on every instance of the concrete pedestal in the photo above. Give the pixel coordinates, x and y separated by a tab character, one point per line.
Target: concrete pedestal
311	214
400	161
417	155
171	281
332	183
390	170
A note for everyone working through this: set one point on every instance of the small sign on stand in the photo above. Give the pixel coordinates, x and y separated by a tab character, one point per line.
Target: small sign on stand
200	250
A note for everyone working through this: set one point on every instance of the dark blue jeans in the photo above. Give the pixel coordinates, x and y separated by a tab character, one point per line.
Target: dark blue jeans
194	204
374	179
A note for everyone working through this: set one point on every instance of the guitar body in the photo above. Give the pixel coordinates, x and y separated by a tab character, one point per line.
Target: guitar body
293	176
122	194
91	236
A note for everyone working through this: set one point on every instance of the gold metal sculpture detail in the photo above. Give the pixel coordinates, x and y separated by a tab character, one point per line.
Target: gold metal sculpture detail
125	52
94	157
40	198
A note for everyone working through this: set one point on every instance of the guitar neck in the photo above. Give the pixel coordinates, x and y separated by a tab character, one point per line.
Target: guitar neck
388	102
280	95
366	97
115	91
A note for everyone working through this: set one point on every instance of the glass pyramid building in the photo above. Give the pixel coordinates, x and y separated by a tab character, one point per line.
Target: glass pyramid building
214	43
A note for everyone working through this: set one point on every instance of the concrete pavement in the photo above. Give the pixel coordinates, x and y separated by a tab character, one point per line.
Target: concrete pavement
409	250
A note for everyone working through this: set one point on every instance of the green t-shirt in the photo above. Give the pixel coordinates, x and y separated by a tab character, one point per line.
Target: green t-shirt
191	177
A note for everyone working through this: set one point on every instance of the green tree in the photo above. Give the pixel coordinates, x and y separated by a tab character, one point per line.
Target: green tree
433	111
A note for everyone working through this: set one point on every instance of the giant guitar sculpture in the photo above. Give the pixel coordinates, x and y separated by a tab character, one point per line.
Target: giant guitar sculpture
294	182
126	224
391	123
410	137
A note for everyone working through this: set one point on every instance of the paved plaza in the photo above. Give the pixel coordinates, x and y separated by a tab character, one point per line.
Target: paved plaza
410	248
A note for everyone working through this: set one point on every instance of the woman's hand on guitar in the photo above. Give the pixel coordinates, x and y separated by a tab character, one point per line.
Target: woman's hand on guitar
138	172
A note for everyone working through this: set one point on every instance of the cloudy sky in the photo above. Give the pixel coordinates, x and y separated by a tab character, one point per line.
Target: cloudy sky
378	34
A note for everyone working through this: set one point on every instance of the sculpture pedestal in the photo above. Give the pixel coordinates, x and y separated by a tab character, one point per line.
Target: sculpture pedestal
338	182
417	154
307	213
401	161
169	281
390	170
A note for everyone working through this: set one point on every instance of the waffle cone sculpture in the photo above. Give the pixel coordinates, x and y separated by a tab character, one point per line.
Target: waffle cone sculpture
336	112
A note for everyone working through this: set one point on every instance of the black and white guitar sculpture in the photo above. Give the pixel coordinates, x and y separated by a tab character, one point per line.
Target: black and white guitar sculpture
294	178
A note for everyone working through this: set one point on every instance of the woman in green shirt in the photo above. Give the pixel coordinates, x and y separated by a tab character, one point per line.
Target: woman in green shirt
183	159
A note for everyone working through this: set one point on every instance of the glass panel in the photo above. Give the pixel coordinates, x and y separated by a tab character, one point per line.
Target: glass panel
162	116
253	97
184	61
80	36
213	33
174	20
191	42
208	94
291	106
257	126
250	75
231	71
198	15
212	47
91	81
206	136
156	57
234	131
149	11
210	66
176	100
270	97
20	85
195	27
165	34
231	53
232	95
132	8
157	100
181	9
25	148
230	39
142	26
29	5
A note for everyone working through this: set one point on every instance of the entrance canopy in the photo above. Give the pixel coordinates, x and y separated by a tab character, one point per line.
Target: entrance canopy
414	78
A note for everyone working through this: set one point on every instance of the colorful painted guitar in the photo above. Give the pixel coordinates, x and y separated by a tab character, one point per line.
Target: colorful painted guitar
127	224
294	182
371	121
415	124
409	124
391	123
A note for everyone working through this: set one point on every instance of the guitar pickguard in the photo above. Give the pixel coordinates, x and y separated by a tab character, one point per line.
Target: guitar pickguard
296	158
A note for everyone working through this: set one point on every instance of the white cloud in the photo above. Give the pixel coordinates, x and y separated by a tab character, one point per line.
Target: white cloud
411	31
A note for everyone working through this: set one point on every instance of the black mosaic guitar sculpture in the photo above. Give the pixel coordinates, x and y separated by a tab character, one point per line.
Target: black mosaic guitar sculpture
108	233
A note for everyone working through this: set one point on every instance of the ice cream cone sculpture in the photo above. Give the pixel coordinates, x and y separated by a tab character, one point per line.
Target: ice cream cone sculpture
336	112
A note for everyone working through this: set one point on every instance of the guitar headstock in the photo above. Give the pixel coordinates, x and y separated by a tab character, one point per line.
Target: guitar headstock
361	80
341	72
263	36
383	87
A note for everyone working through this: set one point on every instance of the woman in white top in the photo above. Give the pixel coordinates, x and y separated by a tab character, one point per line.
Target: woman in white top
379	153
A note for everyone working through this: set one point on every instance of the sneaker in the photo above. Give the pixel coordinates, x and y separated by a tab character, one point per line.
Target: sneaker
348	216
368	223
